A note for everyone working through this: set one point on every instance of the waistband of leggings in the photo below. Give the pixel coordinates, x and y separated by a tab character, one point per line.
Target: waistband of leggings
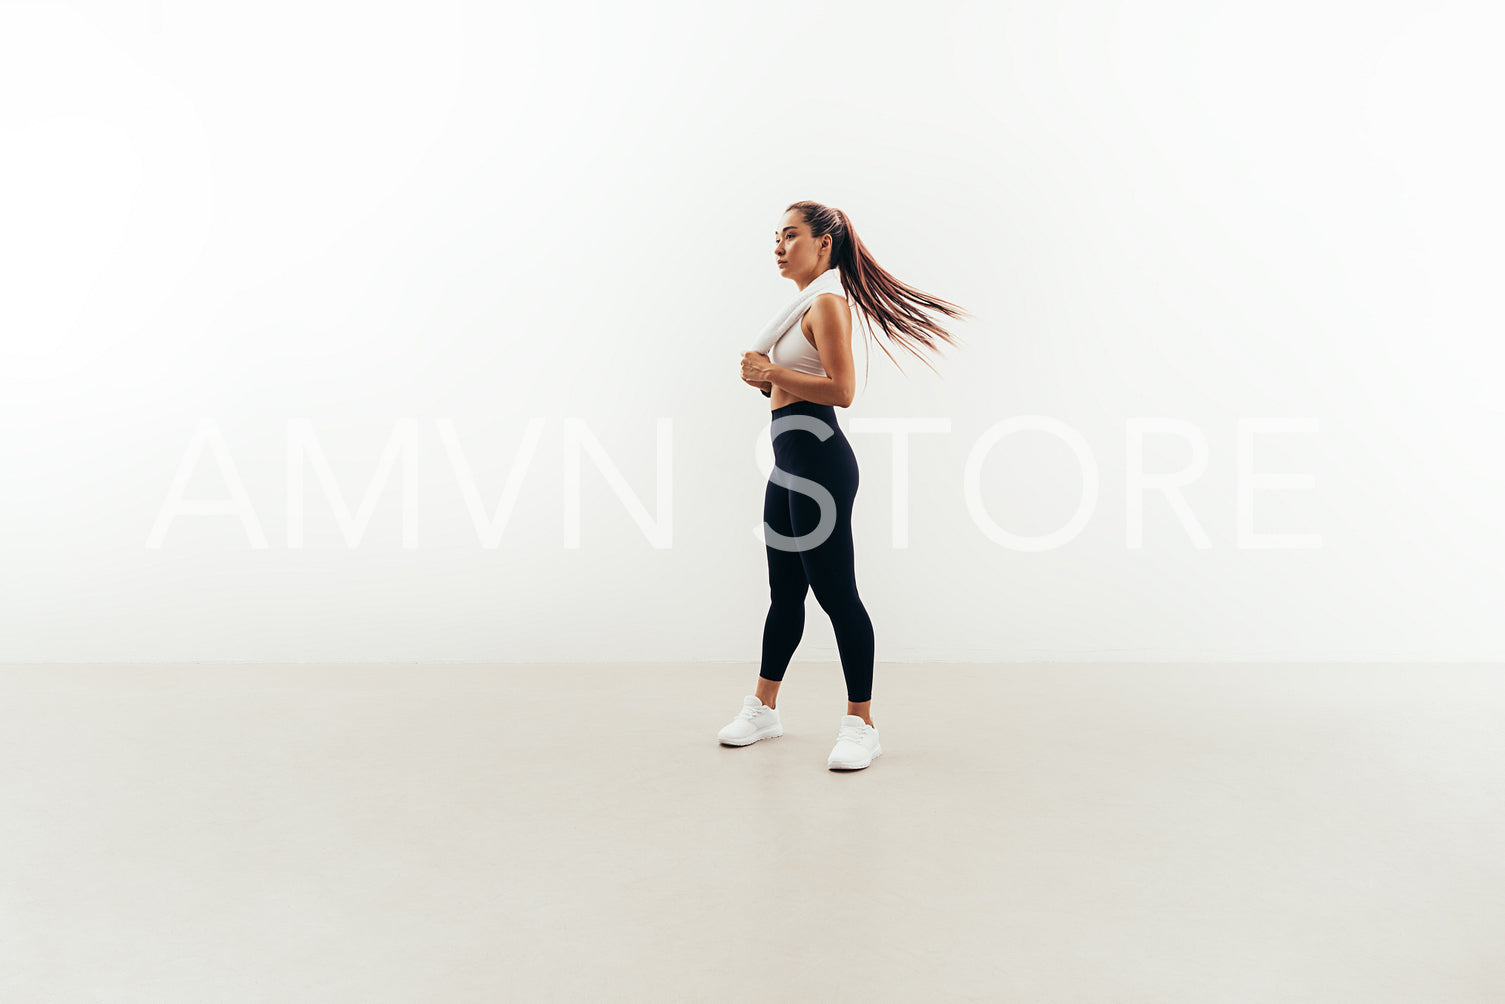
827	411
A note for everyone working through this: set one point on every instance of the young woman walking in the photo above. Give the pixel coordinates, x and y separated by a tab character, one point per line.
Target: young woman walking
807	505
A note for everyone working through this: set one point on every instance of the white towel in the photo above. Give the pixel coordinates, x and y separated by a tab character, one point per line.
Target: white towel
787	318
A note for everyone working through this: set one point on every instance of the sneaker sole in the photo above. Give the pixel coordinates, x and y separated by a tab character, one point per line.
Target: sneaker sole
749	742
833	765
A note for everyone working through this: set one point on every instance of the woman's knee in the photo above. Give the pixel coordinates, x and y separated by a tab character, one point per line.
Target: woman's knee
788	594
839	600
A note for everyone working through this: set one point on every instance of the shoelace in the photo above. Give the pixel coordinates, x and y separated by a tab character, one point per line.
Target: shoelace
852	732
749	712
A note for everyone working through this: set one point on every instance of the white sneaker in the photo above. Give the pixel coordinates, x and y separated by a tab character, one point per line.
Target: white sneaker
856	745
755	721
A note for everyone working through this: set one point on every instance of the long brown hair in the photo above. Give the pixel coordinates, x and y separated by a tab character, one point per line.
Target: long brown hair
883	298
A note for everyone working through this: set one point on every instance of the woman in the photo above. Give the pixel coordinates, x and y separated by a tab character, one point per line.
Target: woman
808	374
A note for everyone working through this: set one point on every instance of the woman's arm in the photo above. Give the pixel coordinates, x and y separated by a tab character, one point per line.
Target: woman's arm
809	387
831	322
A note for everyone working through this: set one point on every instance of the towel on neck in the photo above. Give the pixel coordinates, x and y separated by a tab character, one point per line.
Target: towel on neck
828	281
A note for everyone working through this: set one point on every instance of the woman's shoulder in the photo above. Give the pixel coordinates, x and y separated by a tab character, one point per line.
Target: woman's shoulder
821	298
841	322
837	300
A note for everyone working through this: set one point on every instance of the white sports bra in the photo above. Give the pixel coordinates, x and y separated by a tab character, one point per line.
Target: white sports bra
795	352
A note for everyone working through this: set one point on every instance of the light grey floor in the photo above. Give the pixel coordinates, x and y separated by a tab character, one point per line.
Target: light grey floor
1036	833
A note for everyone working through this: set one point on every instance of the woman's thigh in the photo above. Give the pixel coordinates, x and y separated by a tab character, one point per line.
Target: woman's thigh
786	572
835	470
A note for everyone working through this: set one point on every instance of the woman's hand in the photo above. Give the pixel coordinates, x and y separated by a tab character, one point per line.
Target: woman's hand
757	369
766	386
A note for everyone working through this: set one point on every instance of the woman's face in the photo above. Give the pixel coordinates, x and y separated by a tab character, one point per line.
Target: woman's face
798	252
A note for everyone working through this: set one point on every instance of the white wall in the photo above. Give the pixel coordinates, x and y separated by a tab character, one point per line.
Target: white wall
382	221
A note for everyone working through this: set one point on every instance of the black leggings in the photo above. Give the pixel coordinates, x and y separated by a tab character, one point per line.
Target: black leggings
803	553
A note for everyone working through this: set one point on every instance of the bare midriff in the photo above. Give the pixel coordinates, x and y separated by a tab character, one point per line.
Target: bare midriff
780	396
